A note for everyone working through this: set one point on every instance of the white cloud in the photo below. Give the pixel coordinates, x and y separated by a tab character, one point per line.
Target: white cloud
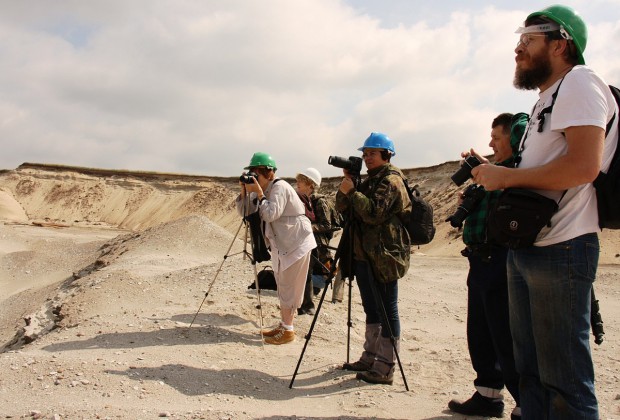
197	87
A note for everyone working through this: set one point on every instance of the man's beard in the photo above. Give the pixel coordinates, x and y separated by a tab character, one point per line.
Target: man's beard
531	79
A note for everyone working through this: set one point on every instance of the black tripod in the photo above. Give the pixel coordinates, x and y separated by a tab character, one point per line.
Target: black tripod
254	257
330	275
347	271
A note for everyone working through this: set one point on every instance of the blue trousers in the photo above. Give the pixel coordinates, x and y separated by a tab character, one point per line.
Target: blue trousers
549	289
387	295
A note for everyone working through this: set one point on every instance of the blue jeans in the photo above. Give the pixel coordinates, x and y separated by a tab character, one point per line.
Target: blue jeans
549	296
388	295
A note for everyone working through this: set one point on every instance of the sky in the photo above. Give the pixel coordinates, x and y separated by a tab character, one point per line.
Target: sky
196	87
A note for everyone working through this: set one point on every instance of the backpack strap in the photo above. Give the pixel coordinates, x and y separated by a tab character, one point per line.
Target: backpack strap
410	191
393	172
609	125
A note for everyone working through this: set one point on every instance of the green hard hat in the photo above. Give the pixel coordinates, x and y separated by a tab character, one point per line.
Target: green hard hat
572	23
262	159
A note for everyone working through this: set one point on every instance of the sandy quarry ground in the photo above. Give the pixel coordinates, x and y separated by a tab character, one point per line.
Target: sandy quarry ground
102	273
124	347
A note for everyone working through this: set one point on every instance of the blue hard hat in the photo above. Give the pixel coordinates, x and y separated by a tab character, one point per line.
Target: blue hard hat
379	141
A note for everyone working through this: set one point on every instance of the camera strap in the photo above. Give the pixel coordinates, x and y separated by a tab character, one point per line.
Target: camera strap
541	123
541	119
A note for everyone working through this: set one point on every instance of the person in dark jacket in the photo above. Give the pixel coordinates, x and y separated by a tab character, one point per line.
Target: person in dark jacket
488	329
381	252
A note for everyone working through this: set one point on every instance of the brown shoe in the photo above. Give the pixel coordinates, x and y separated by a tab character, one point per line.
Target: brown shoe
282	337
359	366
373	377
273	332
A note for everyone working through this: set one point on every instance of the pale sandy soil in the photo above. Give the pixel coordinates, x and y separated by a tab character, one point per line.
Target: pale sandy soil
110	296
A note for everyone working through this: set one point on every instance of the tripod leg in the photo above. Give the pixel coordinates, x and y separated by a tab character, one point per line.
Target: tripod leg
349	322
260	305
219	269
309	334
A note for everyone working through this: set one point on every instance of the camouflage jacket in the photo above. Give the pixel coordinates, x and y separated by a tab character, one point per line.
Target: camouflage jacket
322	226
379	236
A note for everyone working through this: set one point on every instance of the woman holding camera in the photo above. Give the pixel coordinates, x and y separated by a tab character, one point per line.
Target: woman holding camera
287	232
380	253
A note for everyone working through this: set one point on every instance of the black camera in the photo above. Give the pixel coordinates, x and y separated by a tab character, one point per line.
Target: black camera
471	198
353	164
248	177
464	172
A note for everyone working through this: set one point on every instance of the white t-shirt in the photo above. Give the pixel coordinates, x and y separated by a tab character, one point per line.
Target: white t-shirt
583	99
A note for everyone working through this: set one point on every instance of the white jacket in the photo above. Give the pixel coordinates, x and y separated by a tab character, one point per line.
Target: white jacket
287	229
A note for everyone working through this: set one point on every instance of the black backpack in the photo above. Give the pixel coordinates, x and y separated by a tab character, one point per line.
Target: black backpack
420	227
608	184
419	222
266	280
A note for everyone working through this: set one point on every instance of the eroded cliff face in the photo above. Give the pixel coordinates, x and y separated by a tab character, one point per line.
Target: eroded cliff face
138	200
122	199
135	201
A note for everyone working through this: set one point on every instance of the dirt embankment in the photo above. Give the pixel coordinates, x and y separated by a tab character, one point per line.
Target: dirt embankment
135	200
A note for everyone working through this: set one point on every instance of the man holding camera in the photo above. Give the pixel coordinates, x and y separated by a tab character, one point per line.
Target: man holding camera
488	330
550	281
380	252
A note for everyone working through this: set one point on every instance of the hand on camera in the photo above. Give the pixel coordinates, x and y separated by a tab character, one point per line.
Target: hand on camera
254	187
472	152
347	184
460	198
491	177
243	190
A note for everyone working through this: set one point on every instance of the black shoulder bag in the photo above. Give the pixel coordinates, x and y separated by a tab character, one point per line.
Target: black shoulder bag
520	214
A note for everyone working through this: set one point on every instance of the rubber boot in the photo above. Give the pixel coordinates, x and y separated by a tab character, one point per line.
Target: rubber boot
338	288
382	370
373	332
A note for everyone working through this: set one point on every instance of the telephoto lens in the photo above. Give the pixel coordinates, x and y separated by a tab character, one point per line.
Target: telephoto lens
471	198
464	172
353	164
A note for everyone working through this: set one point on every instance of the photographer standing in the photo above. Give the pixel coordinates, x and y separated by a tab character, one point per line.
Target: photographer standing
488	331
288	234
380	253
307	185
550	281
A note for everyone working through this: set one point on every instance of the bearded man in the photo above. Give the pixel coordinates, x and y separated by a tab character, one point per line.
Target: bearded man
563	148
